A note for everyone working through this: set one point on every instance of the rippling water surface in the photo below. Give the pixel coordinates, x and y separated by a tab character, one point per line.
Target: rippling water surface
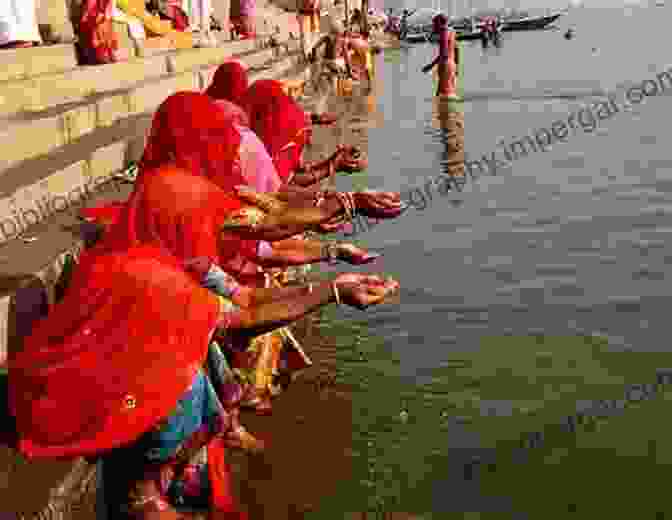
528	297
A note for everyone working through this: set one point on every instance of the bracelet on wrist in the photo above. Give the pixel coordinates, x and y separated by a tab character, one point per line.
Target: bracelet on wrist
330	252
319	199
334	290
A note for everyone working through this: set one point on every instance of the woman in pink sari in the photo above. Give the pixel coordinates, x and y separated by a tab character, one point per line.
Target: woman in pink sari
285	129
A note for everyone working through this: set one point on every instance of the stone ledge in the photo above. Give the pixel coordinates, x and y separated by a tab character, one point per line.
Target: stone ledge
16	64
30	271
33	189
26	136
39	93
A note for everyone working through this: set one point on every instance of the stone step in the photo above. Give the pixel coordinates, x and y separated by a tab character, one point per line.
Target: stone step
90	149
27	135
40	199
18	64
30	271
46	91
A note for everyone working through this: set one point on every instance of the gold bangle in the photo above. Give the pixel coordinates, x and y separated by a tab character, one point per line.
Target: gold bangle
334	290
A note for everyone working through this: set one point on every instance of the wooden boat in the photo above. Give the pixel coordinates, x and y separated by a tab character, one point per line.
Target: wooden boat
530	23
476	34
419	37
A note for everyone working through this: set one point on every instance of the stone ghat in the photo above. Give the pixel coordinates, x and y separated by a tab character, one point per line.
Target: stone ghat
66	134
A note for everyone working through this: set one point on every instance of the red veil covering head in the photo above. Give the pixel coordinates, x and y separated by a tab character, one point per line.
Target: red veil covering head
195	145
180	212
232	111
279	122
191	132
229	82
113	357
98	40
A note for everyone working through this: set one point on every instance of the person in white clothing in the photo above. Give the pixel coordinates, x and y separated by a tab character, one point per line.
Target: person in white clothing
18	24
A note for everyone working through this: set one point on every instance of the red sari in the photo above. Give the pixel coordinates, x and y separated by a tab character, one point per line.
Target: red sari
279	122
130	334
98	41
191	133
229	82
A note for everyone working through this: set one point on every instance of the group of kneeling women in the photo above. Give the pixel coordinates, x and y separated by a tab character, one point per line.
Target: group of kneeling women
176	317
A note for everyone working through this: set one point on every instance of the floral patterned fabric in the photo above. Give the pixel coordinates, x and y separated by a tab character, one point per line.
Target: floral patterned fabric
176	450
255	365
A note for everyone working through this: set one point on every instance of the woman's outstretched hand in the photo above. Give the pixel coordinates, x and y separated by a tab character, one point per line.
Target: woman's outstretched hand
379	204
349	159
324	118
362	290
274	216
356	256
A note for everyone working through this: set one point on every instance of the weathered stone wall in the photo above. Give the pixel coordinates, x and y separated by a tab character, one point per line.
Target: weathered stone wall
54	19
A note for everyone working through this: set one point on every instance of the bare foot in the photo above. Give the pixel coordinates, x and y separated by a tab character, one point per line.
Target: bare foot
241	439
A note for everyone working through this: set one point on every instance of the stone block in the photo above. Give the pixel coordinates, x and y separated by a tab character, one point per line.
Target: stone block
278	69
111	109
25	63
195	58
40	199
106	162
19	95
61	187
54	21
25	140
79	121
148	97
76	85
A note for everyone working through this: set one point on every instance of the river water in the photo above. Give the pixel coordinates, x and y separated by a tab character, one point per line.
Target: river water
533	295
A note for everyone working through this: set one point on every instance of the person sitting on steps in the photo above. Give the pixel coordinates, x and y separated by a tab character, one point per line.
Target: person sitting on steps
340	48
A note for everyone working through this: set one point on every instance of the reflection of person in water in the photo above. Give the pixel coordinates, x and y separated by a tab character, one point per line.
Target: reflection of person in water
451	123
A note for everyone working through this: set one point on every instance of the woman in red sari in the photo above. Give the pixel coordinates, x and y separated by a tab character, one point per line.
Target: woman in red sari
97	40
131	334
133	329
284	129
229	82
189	132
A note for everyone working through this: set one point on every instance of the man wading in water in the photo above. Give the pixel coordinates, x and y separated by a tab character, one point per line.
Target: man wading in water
447	60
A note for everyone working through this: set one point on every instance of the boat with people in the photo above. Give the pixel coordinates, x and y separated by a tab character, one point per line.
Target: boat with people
530	23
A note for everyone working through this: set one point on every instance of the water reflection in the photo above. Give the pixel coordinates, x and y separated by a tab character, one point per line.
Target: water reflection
449	118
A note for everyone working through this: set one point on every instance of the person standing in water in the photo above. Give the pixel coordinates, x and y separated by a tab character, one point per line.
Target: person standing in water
403	26
447	59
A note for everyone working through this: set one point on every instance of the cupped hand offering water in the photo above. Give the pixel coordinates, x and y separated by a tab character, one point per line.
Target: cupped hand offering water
355	255
379	204
362	290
